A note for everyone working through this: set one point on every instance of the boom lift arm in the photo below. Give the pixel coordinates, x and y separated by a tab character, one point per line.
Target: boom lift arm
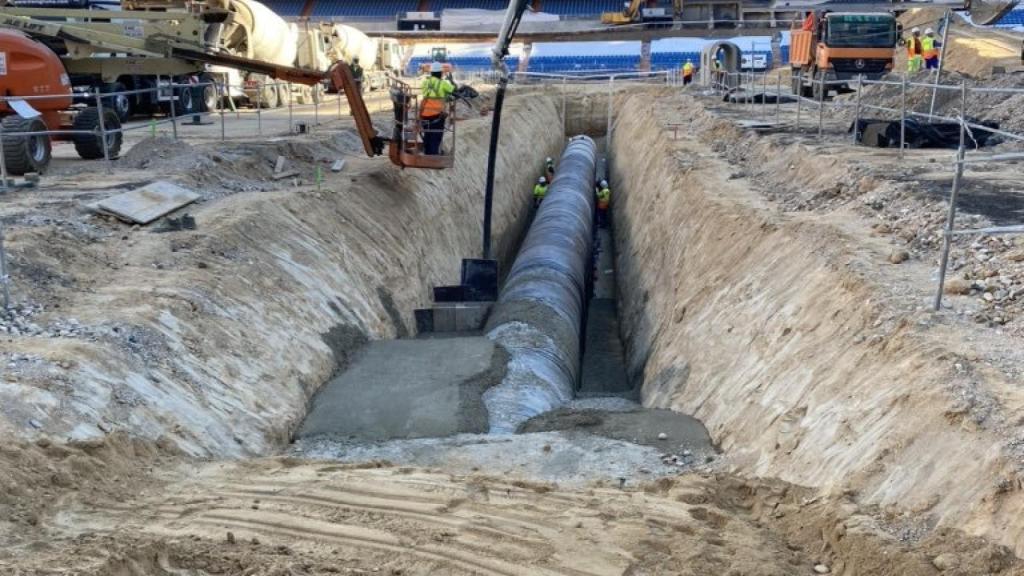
513	15
166	38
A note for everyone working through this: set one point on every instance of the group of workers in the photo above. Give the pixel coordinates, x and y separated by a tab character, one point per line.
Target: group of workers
602	193
922	51
689	69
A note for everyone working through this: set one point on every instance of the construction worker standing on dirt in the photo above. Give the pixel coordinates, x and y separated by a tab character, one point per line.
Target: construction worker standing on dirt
357	74
604	201
540	190
687	72
930	50
915	51
435	93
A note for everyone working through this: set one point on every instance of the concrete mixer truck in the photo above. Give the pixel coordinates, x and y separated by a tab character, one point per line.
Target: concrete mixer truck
379	57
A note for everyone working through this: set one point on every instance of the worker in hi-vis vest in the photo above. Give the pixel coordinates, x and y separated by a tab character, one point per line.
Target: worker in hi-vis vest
549	168
930	50
540	190
915	51
687	72
604	201
435	93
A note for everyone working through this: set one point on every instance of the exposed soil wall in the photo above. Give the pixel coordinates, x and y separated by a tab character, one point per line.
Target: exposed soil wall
218	337
768	328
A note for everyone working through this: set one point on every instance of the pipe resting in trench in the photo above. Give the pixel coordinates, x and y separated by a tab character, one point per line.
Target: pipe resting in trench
539	314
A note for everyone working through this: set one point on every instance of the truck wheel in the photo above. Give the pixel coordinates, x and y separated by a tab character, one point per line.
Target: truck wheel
283	96
121	103
24	154
210	98
90	146
186	101
268	97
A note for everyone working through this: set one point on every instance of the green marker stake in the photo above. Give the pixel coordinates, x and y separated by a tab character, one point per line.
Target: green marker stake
319	177
152	127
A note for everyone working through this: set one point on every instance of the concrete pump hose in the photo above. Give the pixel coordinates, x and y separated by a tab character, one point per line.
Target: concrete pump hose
539	314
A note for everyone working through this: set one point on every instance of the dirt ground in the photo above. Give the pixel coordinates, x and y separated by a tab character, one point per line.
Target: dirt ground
124	508
148	376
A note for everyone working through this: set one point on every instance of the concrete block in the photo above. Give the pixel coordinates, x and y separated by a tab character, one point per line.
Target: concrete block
444	319
471	316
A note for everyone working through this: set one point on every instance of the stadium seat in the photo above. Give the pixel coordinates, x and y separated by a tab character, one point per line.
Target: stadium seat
362	9
580	7
286	8
1012	19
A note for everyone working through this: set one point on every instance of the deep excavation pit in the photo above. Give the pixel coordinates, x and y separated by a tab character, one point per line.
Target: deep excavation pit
429	401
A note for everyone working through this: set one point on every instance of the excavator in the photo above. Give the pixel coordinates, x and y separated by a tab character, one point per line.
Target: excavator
146	42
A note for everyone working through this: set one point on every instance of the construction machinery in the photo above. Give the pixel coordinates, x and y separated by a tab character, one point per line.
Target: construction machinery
438	54
635	12
838	46
144	42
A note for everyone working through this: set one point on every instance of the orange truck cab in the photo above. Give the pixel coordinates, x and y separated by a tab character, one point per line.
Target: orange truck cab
841	46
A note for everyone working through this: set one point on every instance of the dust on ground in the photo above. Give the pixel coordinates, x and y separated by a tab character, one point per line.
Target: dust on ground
285	516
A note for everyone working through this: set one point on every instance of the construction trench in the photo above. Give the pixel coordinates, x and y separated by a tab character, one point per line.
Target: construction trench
253	398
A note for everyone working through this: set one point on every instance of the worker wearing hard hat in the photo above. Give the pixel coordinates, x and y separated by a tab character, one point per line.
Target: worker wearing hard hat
930	50
357	74
915	51
688	72
604	201
540	190
549	168
435	93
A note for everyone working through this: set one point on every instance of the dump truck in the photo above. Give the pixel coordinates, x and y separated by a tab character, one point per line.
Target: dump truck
841	46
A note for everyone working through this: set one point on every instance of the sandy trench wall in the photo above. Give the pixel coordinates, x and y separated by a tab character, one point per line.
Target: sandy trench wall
757	324
233	332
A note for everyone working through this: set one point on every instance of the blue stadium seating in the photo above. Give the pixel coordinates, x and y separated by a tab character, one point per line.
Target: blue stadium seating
466	63
376	9
1012	18
286	8
580	7
673	60
438	5
554	64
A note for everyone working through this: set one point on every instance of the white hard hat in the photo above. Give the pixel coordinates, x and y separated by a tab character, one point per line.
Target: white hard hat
436	67
548	159
604	183
542	180
915	30
929	31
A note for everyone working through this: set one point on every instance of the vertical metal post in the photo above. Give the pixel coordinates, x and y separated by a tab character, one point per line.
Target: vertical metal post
224	95
291	105
942	61
259	107
316	106
903	114
778	96
856	114
174	111
764	95
822	88
102	130
799	96
3	160
5	279
947	233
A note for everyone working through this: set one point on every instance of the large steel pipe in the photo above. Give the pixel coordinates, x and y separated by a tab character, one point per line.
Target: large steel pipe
539	314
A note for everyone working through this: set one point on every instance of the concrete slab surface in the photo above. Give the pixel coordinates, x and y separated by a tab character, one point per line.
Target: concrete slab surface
409	389
149	202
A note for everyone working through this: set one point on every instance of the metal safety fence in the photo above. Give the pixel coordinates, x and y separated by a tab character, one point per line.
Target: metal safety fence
745	85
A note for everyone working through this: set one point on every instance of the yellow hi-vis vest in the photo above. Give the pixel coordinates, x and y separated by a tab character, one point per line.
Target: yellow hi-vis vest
928	47
687	69
540	191
434	91
604	198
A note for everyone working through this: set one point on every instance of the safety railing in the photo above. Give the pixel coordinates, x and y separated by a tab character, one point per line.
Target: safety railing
968	140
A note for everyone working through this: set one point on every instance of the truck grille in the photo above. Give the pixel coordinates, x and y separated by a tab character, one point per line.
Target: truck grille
872	66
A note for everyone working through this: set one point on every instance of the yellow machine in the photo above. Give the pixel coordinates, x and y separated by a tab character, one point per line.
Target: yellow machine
628	16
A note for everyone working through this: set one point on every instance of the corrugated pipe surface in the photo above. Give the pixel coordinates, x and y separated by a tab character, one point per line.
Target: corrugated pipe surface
539	314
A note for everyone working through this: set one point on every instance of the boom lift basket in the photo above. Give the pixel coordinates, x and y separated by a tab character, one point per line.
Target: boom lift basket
406	146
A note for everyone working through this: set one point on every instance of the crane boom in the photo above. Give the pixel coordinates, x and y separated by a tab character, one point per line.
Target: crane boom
167	38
